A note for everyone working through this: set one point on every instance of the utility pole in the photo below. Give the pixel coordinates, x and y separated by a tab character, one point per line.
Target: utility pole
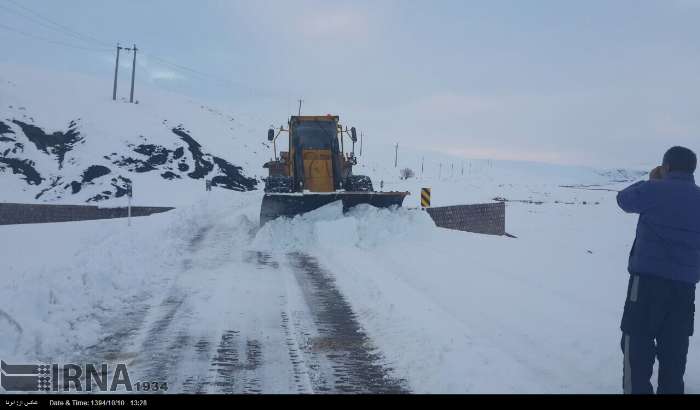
452	172
440	173
133	75
300	101
422	161
116	70
129	193
361	138
396	155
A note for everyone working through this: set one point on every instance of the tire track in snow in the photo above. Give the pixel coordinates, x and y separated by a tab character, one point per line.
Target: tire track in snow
317	346
198	383
356	366
115	347
153	350
167	340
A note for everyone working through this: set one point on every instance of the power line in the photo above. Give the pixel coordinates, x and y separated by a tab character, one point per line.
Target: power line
184	68
190	70
176	66
61	43
46	22
56	26
203	75
82	37
40	23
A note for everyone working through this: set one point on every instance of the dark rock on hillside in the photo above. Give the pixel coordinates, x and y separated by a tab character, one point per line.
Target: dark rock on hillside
100	197
157	155
202	167
54	183
170	175
153	157
57	143
23	167
119	184
232	178
132	164
5	129
94	172
16	148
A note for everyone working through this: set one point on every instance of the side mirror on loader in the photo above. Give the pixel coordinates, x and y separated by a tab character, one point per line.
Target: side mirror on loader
353	134
270	134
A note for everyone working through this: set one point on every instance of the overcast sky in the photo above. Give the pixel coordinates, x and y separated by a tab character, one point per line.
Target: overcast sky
603	83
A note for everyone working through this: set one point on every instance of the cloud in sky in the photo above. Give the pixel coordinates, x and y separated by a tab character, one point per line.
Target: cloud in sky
332	23
168	75
595	82
687	4
450	105
153	70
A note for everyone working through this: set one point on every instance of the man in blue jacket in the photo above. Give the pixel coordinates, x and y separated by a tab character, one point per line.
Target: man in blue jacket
664	267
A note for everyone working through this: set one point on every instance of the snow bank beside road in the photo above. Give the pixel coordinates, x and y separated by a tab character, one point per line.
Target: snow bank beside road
450	311
61	278
63	281
456	312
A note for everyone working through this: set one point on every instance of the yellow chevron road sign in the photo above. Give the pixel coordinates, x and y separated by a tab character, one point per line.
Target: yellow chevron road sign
425	197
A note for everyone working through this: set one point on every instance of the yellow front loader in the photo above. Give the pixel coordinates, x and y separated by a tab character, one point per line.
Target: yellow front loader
316	171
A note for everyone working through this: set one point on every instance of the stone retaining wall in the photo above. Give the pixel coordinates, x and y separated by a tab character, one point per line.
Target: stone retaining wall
478	218
40	213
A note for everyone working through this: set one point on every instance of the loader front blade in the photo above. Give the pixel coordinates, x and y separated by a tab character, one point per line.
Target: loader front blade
275	205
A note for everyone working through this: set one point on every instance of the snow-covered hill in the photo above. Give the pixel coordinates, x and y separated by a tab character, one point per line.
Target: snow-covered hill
62	139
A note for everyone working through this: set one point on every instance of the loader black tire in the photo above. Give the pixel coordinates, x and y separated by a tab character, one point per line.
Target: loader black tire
358	183
278	184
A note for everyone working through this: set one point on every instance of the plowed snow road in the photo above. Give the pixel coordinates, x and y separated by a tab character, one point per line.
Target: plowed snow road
208	334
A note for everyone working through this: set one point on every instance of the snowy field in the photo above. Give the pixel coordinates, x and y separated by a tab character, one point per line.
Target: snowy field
447	311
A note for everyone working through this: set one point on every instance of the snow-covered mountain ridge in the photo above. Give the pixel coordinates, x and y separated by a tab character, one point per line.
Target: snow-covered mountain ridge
63	140
71	143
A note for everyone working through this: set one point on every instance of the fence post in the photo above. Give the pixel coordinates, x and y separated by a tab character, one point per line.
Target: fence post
129	193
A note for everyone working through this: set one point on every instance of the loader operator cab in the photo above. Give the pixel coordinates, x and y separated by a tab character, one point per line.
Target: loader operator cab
314	146
315	160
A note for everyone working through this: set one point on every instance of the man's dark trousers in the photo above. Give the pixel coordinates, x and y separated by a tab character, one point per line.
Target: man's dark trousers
657	323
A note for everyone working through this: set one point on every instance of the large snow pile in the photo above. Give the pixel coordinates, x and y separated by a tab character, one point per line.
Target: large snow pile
64	282
459	312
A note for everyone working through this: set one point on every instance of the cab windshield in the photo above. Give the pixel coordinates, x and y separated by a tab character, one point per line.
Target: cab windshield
316	134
